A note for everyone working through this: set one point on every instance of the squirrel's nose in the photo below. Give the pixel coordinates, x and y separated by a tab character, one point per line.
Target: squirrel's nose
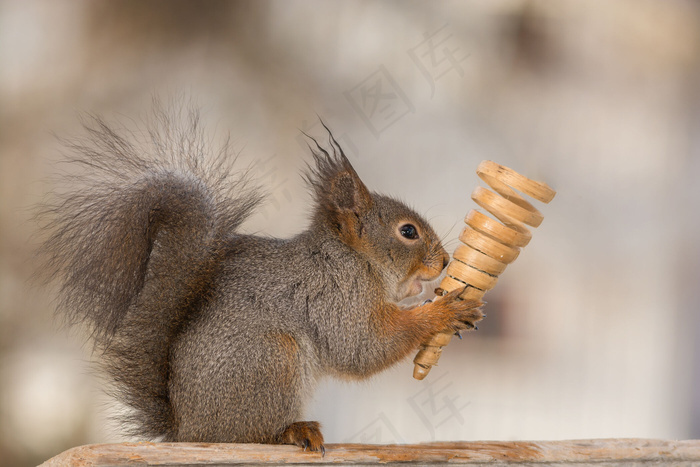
445	260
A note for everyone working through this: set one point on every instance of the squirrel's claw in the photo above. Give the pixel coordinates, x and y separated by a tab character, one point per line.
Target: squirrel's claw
323	450
306	435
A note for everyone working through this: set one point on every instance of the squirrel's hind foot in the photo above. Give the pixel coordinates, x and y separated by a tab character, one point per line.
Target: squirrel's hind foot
306	435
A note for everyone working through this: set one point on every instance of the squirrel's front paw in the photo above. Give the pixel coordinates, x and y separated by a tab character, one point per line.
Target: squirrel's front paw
466	313
304	434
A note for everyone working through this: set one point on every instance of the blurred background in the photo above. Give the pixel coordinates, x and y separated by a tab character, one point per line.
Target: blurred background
591	333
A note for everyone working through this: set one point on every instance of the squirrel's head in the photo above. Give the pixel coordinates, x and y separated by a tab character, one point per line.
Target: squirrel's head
401	247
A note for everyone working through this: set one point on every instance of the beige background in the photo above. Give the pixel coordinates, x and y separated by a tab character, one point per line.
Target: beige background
590	333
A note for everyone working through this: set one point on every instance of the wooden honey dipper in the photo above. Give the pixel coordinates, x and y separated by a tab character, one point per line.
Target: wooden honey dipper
488	246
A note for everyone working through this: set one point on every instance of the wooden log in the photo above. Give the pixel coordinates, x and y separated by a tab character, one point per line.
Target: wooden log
594	452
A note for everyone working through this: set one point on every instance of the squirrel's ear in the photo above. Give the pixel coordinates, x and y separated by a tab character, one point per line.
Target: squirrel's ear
335	182
347	193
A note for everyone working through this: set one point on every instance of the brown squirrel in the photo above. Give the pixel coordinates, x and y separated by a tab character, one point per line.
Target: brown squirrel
210	335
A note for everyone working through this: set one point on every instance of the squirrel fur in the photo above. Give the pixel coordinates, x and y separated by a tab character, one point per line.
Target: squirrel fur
212	335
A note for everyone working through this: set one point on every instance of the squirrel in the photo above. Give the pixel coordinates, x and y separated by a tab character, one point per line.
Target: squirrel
212	335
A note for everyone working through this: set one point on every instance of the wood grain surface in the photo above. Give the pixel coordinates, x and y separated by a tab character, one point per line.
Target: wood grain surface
622	452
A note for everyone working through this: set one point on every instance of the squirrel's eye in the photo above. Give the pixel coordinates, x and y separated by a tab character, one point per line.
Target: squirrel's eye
409	231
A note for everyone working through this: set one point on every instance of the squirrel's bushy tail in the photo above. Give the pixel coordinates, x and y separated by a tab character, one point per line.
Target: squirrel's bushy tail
136	239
